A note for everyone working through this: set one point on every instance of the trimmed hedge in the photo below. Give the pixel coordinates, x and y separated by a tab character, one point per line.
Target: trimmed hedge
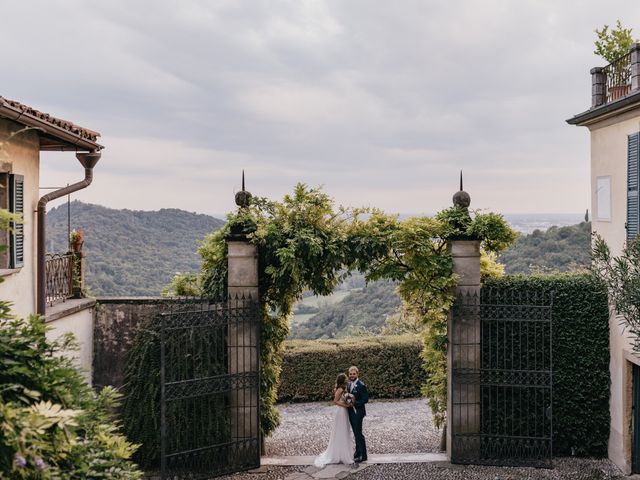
580	358
391	367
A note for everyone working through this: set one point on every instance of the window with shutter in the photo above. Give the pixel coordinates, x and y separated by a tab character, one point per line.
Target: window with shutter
633	199
16	205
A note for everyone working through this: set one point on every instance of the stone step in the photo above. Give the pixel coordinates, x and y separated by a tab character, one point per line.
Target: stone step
373	459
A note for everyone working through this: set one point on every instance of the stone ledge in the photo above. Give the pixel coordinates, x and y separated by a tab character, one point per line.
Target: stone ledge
136	300
5	272
149	300
300	460
69	307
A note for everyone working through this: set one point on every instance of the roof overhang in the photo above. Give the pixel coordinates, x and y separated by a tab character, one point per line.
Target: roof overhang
630	102
55	134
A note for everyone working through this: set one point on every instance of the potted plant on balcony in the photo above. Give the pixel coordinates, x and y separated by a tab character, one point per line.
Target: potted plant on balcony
76	239
613	45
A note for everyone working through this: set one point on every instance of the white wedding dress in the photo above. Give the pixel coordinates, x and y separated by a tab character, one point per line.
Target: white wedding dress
340	448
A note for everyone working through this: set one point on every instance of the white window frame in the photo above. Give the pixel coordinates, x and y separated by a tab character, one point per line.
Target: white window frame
603	193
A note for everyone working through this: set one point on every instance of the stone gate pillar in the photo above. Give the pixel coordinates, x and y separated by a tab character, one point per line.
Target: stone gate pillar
243	268
243	335
463	354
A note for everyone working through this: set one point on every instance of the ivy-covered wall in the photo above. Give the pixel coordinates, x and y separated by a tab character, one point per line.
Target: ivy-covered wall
580	358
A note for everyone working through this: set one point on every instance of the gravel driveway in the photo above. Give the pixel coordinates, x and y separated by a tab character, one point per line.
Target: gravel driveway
399	426
564	469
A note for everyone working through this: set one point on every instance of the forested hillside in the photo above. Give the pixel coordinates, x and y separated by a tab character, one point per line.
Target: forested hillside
130	252
362	311
557	249
136	253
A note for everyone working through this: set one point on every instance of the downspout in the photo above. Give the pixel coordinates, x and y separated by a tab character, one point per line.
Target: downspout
88	161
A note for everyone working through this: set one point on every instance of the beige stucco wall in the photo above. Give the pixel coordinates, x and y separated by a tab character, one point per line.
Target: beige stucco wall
609	158
21	155
80	324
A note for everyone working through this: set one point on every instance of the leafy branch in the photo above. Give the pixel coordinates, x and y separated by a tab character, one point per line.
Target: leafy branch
621	275
611	44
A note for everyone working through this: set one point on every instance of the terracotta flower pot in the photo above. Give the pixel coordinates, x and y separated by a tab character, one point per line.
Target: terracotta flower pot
619	91
77	246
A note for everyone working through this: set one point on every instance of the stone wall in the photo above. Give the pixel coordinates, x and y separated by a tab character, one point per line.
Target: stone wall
116	323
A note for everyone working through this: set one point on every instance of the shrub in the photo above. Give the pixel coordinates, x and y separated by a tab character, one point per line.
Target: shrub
141	407
390	366
52	424
580	322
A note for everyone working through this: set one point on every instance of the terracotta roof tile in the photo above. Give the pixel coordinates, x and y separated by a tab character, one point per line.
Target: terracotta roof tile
59	122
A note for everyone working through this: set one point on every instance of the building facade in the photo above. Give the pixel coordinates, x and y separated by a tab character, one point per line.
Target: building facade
614	125
29	277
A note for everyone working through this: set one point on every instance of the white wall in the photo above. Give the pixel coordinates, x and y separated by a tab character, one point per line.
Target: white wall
81	325
21	155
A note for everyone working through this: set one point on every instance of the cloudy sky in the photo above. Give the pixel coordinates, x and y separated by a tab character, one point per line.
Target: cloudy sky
382	103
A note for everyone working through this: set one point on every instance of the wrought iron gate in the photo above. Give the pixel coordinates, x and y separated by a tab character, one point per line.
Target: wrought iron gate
209	389
502	380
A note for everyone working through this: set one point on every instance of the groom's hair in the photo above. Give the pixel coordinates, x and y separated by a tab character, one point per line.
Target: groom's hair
353	367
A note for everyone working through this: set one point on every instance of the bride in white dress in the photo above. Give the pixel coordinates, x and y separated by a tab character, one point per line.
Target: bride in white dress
340	448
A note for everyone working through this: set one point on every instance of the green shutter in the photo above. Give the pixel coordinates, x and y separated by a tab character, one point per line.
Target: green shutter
16	205
633	169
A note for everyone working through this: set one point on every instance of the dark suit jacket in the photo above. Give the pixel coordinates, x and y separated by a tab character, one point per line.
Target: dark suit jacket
361	395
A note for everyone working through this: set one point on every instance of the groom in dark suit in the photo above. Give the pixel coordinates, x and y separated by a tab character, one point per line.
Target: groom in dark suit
359	390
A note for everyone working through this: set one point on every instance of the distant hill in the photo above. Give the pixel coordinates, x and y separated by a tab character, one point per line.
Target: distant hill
362	310
136	253
131	252
556	249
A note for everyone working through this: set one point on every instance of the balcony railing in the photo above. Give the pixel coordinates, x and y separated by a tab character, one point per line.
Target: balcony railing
617	80
59	273
618	77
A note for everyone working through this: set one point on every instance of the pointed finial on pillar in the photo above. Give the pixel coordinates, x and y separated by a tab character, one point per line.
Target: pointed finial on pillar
244	190
461	198
243	198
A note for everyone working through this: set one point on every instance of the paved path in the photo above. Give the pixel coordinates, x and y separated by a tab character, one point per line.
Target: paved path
306	460
342	471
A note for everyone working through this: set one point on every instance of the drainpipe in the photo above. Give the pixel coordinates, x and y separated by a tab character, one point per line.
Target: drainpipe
88	161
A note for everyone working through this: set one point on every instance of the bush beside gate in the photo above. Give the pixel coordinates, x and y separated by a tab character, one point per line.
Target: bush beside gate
390	366
580	321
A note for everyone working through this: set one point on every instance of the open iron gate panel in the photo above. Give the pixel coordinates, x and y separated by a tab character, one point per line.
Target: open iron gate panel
502	380
209	369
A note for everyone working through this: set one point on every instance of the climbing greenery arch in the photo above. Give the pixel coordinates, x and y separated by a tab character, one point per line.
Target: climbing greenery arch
305	243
